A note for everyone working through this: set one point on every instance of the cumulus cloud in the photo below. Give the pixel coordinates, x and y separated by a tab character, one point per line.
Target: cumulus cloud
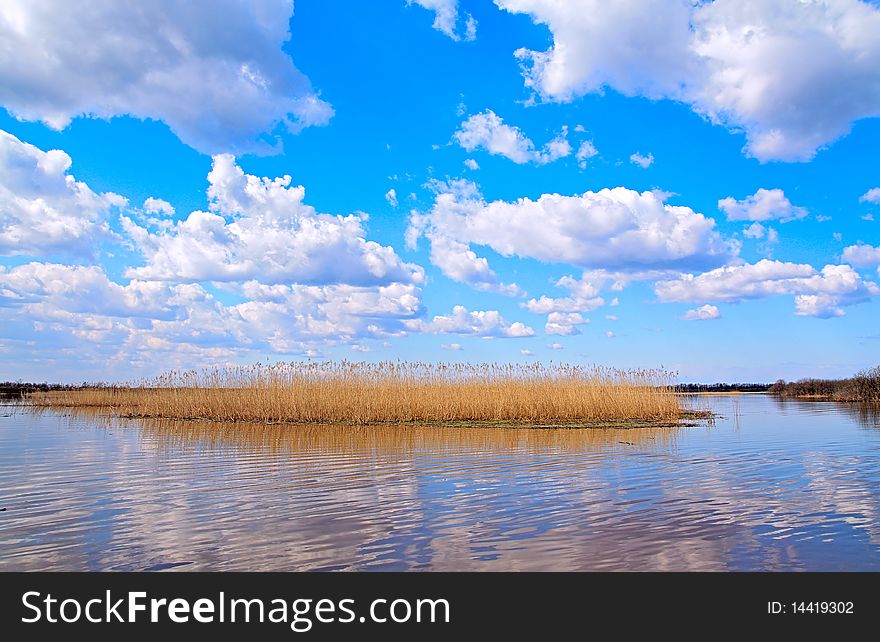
702	313
641	160
584	295
64	289
763	205
78	303
818	294
861	255
765	67
586	150
564	323
181	63
617	229
391	197
158	206
454	347
755	231
471	164
488	131
460	263
260	228
871	196
44	210
447	19
488	323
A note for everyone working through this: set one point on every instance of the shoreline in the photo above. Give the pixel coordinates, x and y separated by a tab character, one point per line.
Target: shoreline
688	418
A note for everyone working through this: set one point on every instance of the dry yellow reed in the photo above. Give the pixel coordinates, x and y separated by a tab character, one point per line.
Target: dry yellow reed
390	392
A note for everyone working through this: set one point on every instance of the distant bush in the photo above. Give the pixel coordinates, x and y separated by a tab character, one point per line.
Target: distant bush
722	387
863	386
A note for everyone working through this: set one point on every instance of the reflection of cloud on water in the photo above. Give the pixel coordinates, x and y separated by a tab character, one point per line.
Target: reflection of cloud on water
131	495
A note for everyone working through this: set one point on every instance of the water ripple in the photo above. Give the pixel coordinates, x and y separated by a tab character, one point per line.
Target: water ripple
772	485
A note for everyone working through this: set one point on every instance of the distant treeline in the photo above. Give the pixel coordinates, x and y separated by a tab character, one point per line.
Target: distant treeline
722	387
18	388
864	386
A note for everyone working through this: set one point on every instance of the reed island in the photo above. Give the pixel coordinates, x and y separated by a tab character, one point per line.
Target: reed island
394	392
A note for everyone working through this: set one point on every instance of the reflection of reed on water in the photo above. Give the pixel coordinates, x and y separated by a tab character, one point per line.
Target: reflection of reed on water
867	415
336	438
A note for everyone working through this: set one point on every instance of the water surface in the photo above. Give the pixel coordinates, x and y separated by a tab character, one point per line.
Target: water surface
770	486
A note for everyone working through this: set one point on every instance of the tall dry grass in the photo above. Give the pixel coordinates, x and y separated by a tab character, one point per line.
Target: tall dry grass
390	392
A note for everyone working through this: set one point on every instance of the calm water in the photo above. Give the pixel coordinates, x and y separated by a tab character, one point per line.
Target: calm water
786	486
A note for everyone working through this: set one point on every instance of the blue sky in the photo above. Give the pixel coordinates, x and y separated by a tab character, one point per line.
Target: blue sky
648	184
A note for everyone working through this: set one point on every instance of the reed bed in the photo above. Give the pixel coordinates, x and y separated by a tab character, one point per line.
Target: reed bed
397	392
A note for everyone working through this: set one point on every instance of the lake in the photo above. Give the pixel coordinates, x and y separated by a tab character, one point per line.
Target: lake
772	485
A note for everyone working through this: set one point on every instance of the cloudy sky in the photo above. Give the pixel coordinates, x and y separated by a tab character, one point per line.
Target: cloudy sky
693	185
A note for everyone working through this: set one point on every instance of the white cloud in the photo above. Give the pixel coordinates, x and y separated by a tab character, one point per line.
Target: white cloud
758	231
158	206
763	205
470	28
454	347
564	323
764	67
471	164
526	352
460	263
816	293
44	210
613	228
585	151
868	217
584	295
642	161
85	289
555	346
488	131
768	246
610	334
391	197
861	255
447	18
702	313
80	306
260	228
185	64
755	231
488	323
871	196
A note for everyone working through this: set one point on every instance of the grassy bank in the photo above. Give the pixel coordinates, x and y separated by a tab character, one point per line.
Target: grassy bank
864	386
392	392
